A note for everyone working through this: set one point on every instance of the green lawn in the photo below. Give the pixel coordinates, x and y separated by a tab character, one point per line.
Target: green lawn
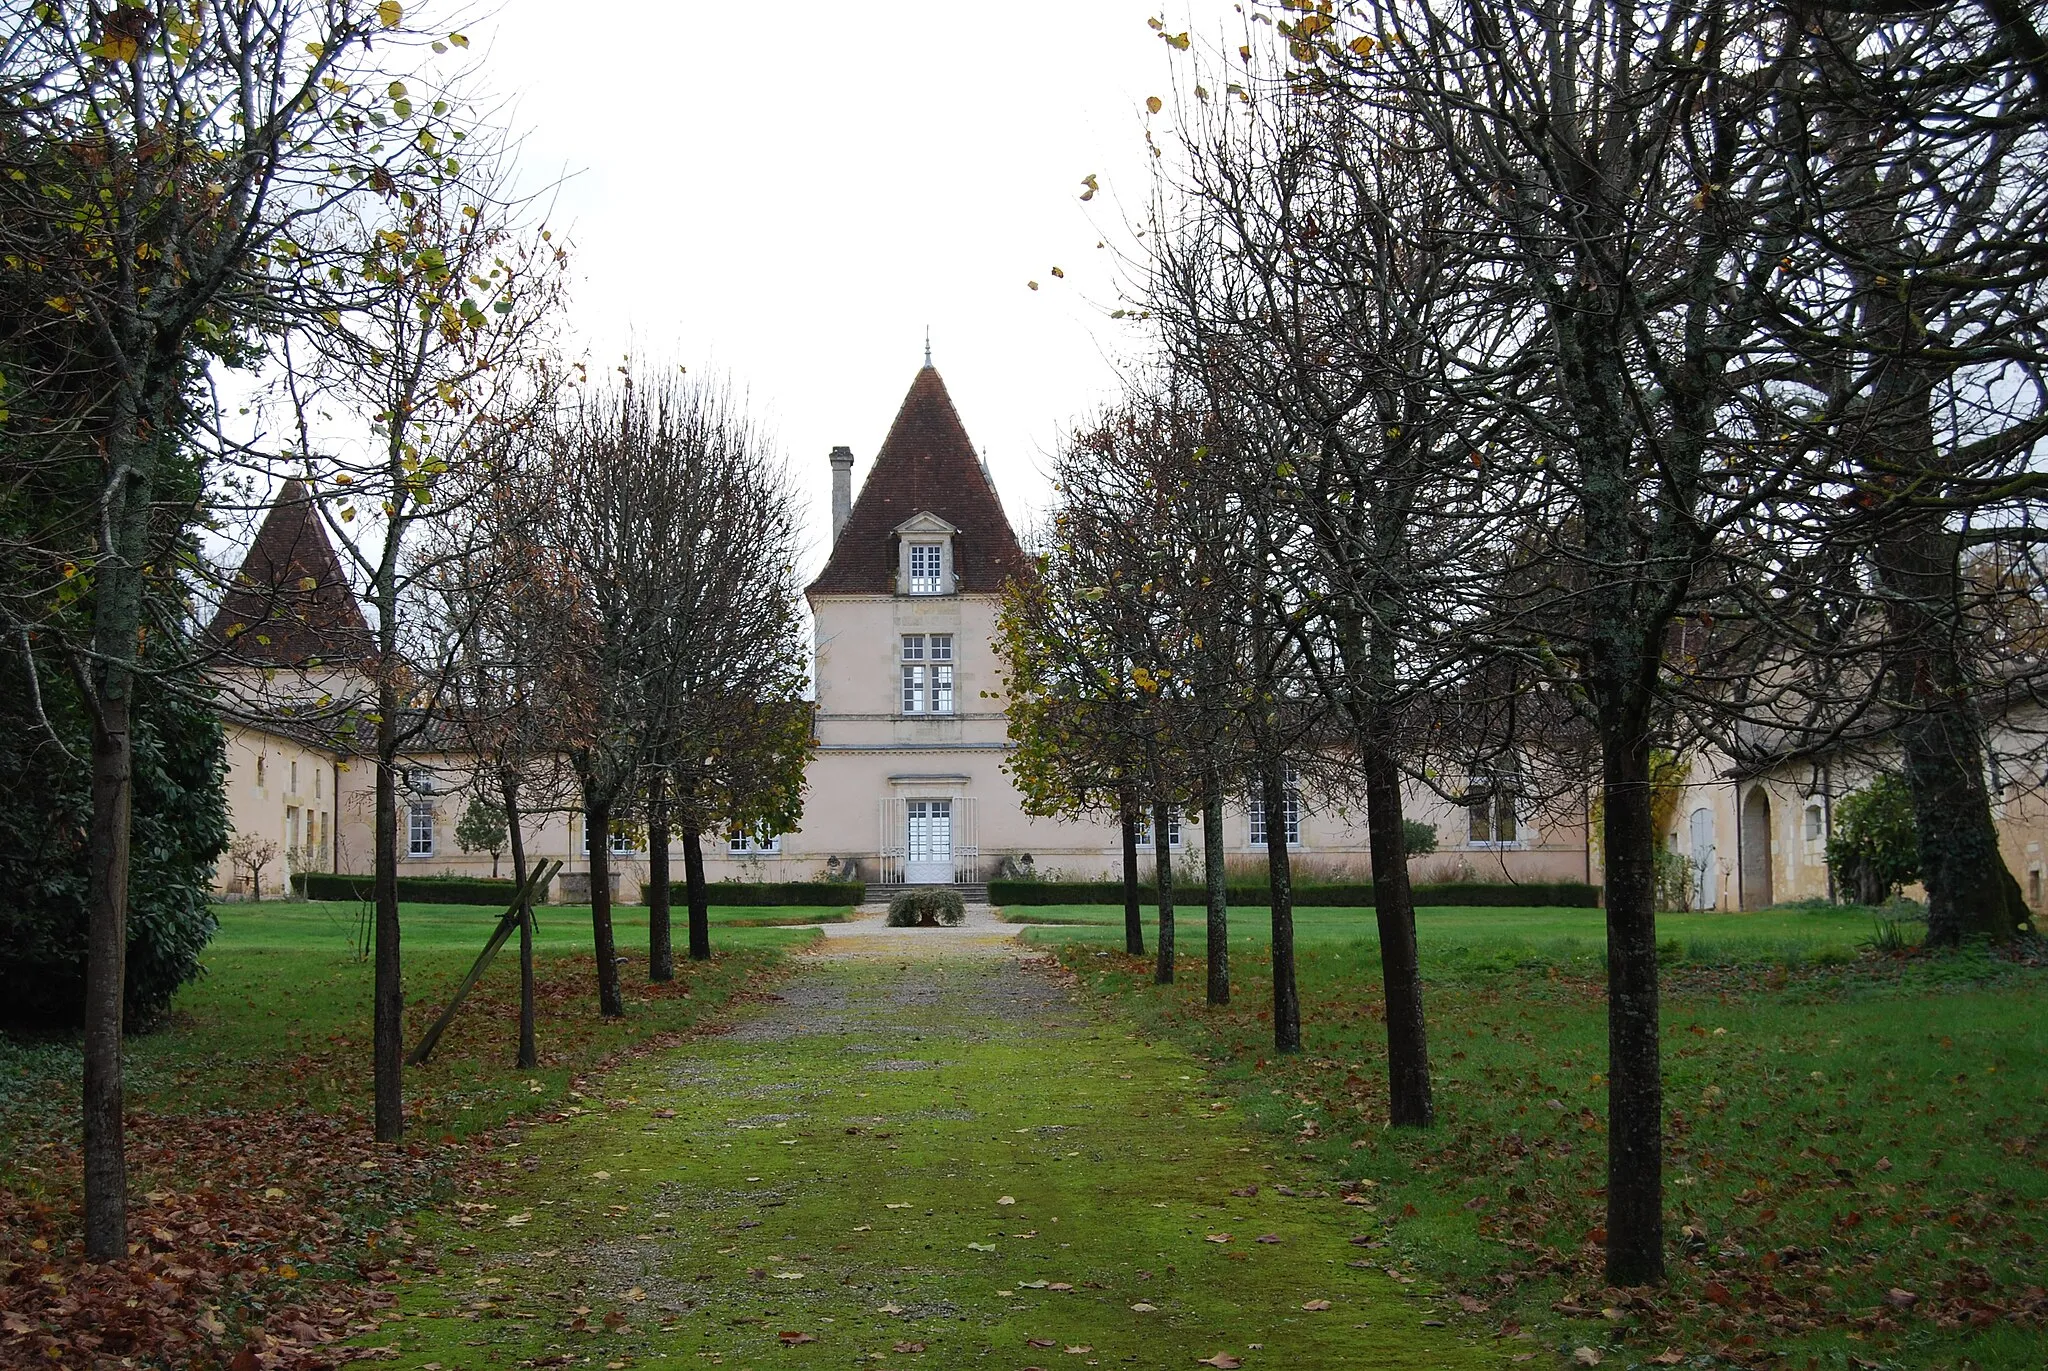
280	1015
1491	935
1841	1126
255	1186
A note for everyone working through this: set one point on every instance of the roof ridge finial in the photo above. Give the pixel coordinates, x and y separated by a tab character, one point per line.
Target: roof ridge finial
927	346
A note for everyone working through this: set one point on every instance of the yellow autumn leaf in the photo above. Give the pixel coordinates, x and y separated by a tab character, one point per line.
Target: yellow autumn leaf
1058	273
1152	103
459	40
389	12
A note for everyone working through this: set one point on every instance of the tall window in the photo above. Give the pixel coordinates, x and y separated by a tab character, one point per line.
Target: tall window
621	844
419	828
926	563
927	673
1490	811
1172	829
1292	813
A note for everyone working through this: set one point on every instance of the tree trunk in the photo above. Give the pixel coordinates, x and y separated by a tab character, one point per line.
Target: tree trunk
661	961
529	1053
597	831
1286	998
106	972
1970	892
1635	1091
388	1013
1409	1104
700	898
1219	903
1134	917
1162	860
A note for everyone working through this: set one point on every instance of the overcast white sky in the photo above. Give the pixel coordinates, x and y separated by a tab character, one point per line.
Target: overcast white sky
790	194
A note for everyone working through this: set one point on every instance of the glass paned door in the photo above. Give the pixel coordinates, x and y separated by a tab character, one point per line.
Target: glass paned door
928	833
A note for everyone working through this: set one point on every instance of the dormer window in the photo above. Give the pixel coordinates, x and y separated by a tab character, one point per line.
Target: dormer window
927	568
926	545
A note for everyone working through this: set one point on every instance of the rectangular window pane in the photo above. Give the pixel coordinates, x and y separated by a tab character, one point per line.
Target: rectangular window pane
1257	810
1504	817
942	647
420	830
924	568
913	690
942	689
913	647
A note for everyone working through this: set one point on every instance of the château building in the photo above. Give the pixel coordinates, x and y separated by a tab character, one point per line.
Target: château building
908	781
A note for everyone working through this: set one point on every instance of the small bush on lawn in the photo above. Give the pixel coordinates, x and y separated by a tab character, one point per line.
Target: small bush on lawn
927	909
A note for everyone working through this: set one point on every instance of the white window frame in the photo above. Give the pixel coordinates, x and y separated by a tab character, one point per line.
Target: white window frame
622	839
1173	829
419	819
1255	811
1500	789
1814	814
753	844
925	580
913	688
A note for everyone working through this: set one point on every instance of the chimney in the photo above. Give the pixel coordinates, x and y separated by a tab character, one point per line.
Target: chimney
842	489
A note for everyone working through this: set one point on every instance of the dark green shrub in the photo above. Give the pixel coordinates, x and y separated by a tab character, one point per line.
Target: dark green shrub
1418	839
179	830
326	885
1875	848
752	894
935	907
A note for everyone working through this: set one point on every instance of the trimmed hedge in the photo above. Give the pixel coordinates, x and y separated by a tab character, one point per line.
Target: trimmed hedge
326	885
1568	894
767	893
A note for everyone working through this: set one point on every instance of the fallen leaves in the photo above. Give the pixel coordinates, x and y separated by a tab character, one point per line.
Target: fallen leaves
1316	1306
1141	1307
1585	1356
1223	1361
1217	1237
791	1338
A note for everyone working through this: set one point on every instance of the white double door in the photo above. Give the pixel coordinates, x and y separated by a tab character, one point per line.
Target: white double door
928	842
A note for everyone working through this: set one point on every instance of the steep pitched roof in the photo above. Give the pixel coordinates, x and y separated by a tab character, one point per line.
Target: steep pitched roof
290	604
926	464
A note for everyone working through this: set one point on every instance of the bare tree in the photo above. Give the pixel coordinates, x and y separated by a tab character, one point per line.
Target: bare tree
1608	158
677	536
170	171
443	338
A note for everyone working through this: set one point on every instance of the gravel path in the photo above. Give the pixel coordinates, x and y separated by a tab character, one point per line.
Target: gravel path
922	1150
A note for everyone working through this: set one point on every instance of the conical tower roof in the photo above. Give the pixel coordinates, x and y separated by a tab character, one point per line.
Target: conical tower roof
290	605
926	466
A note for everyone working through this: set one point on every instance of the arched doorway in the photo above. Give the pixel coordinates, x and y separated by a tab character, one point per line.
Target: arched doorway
1756	849
1706	875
